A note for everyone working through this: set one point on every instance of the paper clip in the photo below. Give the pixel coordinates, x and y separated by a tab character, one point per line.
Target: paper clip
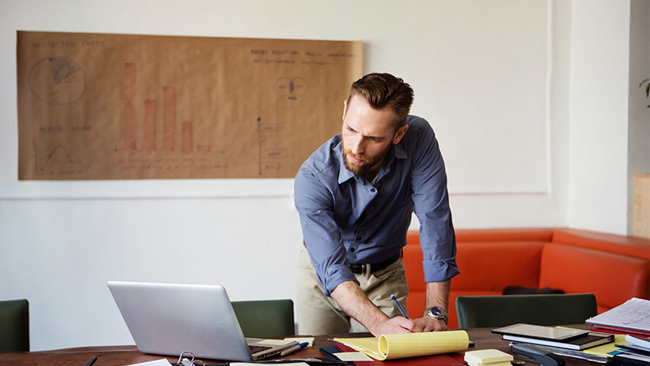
185	361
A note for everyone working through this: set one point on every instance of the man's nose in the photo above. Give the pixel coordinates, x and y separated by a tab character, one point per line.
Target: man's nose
358	145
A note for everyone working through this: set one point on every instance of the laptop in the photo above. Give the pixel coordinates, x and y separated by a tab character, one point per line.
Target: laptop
168	319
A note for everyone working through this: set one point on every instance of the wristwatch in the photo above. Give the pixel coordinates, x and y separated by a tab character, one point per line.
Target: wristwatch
436	312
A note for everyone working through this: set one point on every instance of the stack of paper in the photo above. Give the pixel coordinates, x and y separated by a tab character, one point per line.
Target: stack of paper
589	340
635	349
633	316
643	344
488	357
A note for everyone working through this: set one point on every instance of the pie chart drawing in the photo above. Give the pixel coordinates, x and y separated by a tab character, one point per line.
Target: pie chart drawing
57	81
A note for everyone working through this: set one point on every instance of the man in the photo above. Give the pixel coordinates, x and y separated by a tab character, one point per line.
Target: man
355	196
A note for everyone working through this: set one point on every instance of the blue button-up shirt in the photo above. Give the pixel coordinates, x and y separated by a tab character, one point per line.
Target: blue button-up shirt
345	219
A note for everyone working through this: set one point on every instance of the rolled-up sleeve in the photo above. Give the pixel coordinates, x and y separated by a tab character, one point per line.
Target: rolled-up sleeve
431	207
314	203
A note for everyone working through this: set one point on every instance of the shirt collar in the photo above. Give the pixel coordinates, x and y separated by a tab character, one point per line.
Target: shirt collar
344	173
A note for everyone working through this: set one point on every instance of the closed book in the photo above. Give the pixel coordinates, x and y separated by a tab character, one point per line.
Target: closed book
579	343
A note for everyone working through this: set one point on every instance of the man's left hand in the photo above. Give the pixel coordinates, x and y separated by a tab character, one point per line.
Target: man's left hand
430	324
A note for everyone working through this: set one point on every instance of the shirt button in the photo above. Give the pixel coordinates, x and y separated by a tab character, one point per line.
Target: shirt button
373	190
352	250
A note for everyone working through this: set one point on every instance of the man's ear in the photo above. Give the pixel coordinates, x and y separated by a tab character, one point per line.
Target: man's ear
400	134
345	108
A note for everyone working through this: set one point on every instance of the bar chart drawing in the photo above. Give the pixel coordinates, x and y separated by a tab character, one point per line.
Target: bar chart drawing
149	121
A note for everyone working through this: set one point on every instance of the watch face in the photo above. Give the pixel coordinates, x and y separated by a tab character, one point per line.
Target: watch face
438	313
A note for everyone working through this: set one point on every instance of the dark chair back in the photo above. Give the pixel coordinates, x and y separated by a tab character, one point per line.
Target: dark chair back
265	318
503	310
14	326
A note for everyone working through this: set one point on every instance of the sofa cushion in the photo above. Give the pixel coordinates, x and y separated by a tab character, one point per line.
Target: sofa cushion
581	270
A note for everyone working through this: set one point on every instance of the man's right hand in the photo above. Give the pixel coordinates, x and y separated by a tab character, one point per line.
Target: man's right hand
398	324
354	302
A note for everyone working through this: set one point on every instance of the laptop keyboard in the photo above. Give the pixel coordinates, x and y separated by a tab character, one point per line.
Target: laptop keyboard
254	348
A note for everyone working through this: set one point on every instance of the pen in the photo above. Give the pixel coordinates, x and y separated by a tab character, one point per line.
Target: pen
295	348
399	306
91	361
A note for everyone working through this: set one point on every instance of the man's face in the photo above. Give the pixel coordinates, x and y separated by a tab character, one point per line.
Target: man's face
367	135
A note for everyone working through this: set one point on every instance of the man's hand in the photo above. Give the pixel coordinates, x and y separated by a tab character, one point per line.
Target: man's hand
429	324
437	295
354	302
398	324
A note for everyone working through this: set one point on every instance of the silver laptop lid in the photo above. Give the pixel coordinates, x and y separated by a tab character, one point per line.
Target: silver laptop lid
168	319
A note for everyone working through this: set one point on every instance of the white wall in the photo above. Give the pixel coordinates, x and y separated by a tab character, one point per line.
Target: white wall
598	196
493	78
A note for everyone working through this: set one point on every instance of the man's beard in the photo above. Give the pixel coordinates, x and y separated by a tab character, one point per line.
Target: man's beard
366	162
356	168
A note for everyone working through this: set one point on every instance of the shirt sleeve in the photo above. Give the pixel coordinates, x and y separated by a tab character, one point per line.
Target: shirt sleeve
314	203
431	206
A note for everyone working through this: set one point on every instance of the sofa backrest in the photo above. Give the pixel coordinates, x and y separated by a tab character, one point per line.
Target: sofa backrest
511	234
613	278
495	266
612	243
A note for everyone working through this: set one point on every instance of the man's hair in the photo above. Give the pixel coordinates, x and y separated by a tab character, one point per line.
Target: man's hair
385	91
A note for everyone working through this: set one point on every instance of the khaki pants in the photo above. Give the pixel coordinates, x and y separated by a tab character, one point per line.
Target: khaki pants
318	314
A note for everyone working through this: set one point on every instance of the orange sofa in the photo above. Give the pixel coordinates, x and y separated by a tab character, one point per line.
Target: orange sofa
614	268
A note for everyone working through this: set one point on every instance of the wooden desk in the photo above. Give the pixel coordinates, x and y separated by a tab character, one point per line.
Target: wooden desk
127	355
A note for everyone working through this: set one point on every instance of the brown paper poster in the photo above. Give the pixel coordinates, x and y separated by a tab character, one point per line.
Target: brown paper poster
108	106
